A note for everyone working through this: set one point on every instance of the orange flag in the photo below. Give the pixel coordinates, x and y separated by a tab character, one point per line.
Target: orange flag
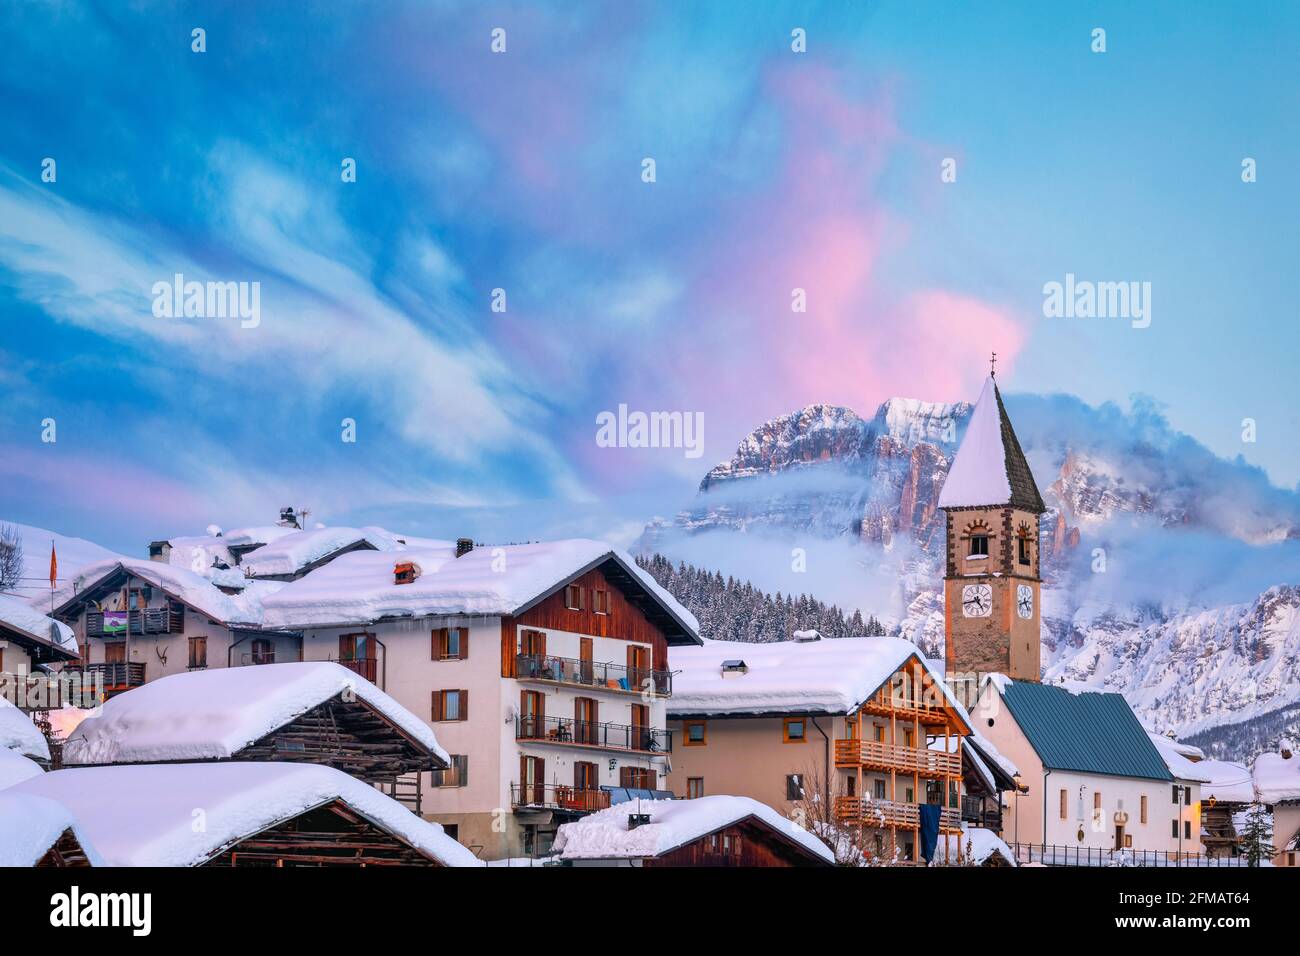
54	566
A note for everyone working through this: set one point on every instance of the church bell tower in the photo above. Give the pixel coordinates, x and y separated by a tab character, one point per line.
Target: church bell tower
993	578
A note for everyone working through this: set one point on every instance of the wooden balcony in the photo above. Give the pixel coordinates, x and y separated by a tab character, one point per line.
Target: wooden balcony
586	733
367	668
873	755
115	677
538	796
149	620
618	677
888	813
904	708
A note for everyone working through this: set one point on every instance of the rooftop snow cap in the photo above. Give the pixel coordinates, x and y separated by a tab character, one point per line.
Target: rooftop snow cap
464	546
989	467
805	636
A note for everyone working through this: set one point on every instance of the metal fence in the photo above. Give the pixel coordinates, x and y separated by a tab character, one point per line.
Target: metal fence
1050	854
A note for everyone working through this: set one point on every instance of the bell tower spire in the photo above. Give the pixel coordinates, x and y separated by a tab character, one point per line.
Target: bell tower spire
993	577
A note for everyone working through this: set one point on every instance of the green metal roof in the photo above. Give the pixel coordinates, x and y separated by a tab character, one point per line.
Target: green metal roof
1085	732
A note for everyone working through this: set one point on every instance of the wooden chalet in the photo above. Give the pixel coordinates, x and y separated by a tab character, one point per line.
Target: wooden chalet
255	814
718	831
38	831
315	712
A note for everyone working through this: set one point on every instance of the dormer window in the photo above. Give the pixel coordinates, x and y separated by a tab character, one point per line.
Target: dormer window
1023	545
979	546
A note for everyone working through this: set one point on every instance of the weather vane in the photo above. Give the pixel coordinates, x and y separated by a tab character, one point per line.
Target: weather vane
993	363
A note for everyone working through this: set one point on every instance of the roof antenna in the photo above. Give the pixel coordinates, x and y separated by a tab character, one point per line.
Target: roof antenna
993	362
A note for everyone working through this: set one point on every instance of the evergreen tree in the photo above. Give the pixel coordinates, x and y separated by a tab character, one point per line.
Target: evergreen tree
1257	840
731	610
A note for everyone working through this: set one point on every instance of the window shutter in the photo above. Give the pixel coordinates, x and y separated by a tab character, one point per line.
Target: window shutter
464	643
464	705
435	707
435	646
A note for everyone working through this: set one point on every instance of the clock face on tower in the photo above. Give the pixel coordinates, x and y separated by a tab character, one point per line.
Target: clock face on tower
977	600
1025	601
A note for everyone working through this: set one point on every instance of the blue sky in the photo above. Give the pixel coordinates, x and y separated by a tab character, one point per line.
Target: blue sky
522	171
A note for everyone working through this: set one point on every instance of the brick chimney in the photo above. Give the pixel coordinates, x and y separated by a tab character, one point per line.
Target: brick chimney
464	546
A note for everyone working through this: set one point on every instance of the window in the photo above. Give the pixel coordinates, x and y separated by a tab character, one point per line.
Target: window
1187	829
909	795
638	667
573	597
637	778
450	705
263	651
1187	796
979	545
456	774
794	786
695	733
1128	840
907	737
600	601
1064	799
198	652
1143	809
450	644
1096	800
794	730
850	786
1176	797
1174	828
532	715
1023	545
880	789
880	733
585	775
694	788
586	720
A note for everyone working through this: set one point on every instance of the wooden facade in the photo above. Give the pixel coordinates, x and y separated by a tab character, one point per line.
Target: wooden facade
745	843
329	835
347	735
624	619
67	851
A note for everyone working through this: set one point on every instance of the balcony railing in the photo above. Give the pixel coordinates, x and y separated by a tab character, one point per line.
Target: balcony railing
115	676
889	813
148	620
875	755
565	670
557	797
586	733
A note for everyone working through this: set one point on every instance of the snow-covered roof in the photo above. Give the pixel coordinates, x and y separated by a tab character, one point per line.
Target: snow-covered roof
832	676
358	588
195	590
673	823
1190	751
213	714
980	841
257	535
198	553
1226	782
1277	778
18	615
292	553
1178	764
18	733
143	815
30	825
15	768
989	467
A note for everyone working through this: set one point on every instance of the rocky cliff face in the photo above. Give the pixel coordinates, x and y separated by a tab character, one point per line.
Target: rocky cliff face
827	472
